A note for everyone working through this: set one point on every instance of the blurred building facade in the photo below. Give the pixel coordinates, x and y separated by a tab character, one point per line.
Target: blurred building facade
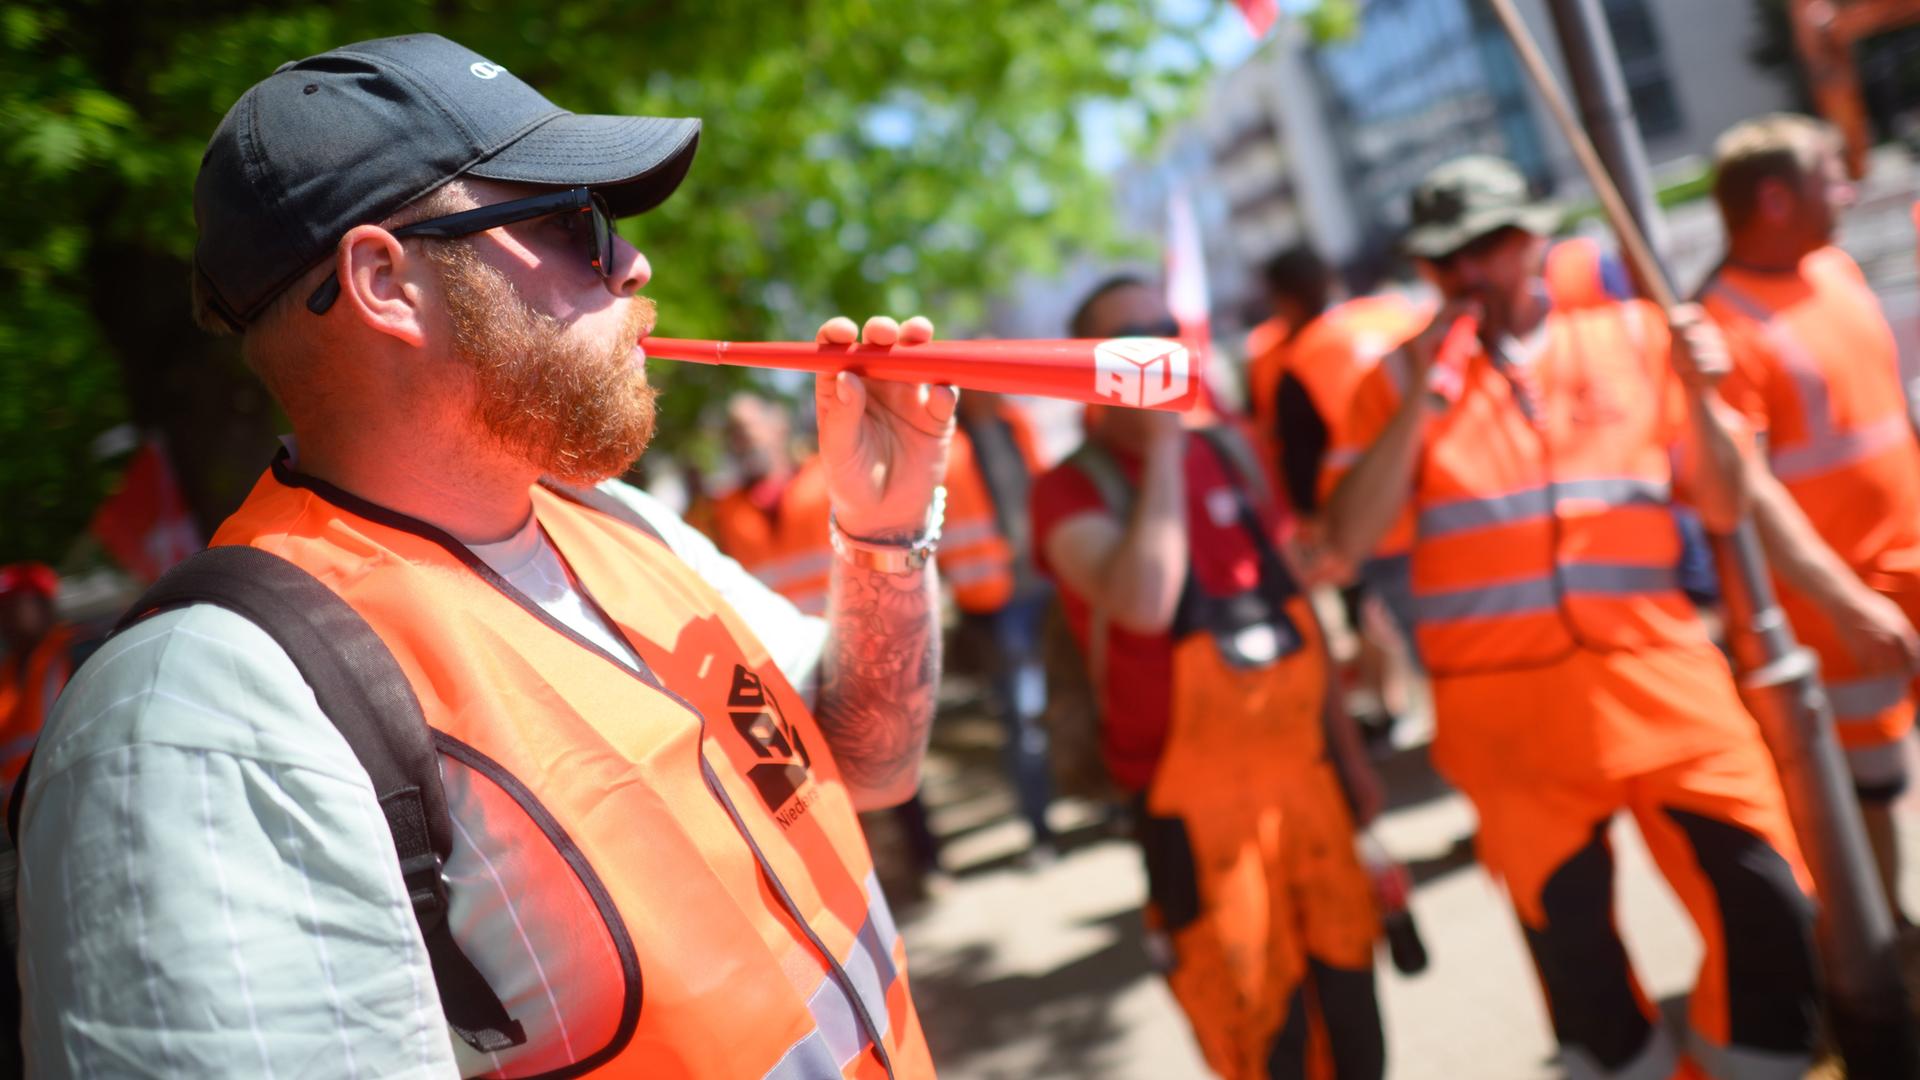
1320	144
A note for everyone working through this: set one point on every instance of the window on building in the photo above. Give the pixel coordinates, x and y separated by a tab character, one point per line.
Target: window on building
1644	65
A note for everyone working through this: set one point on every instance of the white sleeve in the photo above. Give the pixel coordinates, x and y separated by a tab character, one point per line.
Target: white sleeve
207	884
796	641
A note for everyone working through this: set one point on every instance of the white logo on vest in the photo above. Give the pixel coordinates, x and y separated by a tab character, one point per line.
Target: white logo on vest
483	70
1140	371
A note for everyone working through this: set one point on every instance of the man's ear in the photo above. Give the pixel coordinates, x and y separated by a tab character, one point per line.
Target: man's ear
380	283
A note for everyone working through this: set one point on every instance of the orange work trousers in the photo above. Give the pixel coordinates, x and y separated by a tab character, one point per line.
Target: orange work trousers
1253	872
1542	755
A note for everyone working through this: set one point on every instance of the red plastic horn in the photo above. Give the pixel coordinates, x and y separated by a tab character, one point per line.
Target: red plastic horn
1142	373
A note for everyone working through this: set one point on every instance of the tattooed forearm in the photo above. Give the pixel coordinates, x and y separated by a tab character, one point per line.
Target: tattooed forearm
878	681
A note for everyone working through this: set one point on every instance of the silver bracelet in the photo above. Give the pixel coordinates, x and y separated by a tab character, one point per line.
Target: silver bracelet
893	556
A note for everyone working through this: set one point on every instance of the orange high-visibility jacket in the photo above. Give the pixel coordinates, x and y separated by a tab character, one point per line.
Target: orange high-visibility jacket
1817	369
1333	363
26	685
975	556
788	548
1576	274
679	839
1532	541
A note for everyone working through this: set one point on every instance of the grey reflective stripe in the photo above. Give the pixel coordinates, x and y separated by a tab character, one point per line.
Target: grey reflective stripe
1484	601
808	1059
1859	699
1823	454
1880	765
972	532
1615	580
1537	594
1463	515
1746	1063
1655	1061
1825	449
967	571
774	573
1618	490
869	964
1798	362
1343	458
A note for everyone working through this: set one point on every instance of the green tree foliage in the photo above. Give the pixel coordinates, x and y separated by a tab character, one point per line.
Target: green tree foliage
859	156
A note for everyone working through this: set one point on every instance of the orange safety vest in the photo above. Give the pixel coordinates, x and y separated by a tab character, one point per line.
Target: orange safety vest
1386	323
24	682
1576	275
787	549
1817	362
678	840
975	557
1532	542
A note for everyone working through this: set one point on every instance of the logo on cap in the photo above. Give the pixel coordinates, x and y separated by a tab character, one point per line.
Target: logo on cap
1140	371
483	70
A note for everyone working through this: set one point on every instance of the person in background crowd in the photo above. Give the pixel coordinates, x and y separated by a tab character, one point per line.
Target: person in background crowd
1580	274
1301	390
450	321
35	666
1213	683
1837	503
1572	679
987	559
775	521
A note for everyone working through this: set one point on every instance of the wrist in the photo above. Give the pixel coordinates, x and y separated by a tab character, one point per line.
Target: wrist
891	549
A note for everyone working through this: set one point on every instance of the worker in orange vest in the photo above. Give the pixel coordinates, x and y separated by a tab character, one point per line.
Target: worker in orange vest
1213	684
1579	273
1301	390
36	664
987	557
1838	507
774	522
649	861
1571	678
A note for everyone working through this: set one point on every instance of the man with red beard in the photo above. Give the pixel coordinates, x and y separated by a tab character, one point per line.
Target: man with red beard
417	251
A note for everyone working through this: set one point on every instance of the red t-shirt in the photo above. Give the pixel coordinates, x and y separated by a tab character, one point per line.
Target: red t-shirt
1137	700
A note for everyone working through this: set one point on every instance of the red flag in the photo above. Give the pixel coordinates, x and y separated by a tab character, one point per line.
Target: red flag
1260	15
144	524
1187	296
1186	271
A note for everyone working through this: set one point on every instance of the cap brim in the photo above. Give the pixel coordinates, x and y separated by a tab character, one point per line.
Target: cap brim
1439	241
634	162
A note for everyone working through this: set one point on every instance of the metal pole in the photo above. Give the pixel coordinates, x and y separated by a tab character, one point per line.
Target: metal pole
1606	111
1867	1002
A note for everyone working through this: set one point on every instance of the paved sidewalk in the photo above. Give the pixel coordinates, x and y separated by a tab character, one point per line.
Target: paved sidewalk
1025	973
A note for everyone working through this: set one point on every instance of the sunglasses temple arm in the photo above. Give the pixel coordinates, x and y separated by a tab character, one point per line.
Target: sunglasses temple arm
324	296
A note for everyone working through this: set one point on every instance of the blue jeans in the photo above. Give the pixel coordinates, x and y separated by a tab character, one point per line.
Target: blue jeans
1019	695
1390	580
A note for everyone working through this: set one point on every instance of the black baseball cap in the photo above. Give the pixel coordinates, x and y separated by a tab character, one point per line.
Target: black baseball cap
352	135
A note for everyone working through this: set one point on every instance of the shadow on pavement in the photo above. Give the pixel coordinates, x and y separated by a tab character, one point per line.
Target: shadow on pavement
1064	1016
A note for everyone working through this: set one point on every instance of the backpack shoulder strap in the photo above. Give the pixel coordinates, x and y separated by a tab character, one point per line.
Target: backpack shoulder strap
1093	461
360	687
1240	457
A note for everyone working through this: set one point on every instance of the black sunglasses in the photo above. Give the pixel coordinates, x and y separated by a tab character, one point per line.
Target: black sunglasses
1166	328
577	200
